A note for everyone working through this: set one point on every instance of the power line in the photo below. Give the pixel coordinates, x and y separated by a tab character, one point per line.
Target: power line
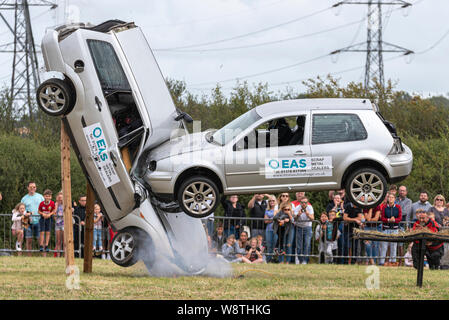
435	44
298	80
247	34
269	42
215	18
265	72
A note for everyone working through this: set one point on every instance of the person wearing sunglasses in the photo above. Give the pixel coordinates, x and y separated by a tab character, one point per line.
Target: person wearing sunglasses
283	198
282	225
439	209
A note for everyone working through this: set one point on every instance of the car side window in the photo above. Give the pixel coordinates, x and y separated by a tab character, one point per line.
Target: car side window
109	69
276	132
339	127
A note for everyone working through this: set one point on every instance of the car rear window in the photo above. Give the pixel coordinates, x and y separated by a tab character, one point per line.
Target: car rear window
328	128
109	69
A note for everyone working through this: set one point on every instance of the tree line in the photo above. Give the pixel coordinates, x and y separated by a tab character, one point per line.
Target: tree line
30	146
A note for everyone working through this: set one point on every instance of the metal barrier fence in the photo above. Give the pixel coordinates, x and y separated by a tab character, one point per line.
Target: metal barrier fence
9	239
299	244
304	244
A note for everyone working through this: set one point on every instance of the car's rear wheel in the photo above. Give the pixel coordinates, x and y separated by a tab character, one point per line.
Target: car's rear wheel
55	97
366	187
125	247
198	196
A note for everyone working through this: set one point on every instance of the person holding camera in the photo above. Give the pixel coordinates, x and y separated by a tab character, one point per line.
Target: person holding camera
434	249
303	217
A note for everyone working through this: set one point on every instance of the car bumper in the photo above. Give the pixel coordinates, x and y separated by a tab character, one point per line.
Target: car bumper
399	165
160	182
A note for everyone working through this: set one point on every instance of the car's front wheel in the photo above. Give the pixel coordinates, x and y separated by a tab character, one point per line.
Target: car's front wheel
198	196
55	97
124	247
366	187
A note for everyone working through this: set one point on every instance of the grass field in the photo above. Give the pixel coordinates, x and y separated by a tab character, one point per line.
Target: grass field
39	278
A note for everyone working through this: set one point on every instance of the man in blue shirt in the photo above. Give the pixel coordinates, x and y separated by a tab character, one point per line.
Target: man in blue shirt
32	201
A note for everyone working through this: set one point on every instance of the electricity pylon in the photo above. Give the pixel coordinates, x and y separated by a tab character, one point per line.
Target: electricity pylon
374	46
25	68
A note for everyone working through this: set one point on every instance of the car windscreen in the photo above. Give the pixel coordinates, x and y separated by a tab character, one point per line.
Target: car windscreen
233	128
109	69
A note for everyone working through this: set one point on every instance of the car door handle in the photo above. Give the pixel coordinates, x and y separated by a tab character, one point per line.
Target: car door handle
98	103
299	153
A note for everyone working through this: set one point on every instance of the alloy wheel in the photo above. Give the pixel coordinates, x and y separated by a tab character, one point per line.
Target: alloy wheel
199	198
367	188
52	98
122	246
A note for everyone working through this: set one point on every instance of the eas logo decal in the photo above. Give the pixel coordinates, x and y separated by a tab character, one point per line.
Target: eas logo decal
298	167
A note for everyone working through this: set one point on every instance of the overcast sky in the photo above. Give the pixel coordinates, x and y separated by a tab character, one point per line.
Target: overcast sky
249	40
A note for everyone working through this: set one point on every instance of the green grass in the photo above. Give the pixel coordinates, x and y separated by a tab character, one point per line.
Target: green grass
44	278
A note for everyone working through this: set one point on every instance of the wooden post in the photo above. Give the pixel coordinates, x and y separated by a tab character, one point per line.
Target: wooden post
421	251
89	230
67	200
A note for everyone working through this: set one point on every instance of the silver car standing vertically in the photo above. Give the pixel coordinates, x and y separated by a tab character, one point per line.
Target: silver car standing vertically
106	85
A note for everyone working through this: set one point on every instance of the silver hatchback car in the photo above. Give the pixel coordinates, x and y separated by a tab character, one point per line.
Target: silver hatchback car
105	84
294	145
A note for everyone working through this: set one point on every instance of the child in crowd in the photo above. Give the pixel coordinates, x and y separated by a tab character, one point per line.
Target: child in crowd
231	250
260	243
254	254
327	234
98	217
17	229
218	239
408	260
46	209
59	225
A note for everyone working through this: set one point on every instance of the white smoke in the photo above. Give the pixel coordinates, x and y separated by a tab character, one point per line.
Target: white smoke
190	259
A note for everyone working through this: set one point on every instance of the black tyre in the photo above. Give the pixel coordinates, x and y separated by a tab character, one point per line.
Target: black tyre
198	196
55	97
125	247
366	187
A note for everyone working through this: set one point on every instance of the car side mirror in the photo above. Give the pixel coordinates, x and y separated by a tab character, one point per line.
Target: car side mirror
184	116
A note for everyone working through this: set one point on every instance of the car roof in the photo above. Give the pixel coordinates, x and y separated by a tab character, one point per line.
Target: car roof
277	107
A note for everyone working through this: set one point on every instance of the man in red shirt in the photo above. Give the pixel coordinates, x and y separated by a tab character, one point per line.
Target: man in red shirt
434	249
46	209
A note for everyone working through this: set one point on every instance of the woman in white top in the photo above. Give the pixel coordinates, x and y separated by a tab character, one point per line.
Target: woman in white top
17	228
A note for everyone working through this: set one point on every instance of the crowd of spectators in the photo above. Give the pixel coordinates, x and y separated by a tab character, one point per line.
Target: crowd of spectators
284	230
36	215
278	229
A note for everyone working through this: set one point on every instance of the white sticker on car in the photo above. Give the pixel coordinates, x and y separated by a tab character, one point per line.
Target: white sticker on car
298	167
99	153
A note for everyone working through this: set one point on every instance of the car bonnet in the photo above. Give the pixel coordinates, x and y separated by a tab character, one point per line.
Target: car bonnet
151	86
